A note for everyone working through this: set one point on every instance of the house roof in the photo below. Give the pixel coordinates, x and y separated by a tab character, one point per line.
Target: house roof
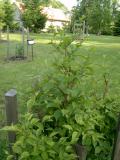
20	6
56	14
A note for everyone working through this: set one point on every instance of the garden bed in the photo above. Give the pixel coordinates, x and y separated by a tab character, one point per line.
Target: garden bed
17	58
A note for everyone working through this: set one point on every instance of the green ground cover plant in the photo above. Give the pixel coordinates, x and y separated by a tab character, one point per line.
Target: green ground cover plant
19	51
69	105
3	148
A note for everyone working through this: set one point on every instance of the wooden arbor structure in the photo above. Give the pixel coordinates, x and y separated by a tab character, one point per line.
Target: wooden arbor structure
79	31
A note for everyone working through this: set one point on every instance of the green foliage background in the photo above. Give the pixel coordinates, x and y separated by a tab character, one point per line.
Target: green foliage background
6	15
99	15
116	28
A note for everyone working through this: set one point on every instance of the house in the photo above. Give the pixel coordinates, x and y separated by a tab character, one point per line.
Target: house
56	17
19	9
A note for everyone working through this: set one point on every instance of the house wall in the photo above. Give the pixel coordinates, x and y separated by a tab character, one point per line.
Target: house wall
17	15
54	23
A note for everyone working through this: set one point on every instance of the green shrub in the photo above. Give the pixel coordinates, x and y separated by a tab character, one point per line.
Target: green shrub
70	95
33	143
3	148
15	27
51	29
19	51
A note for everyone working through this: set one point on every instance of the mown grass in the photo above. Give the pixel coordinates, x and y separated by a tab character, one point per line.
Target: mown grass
20	74
103	51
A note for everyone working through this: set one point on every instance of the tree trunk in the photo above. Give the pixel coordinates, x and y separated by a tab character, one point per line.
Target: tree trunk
81	152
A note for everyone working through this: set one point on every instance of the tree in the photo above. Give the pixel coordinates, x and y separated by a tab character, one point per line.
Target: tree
97	14
100	16
9	14
47	3
57	4
34	3
33	16
116	29
34	19
2	14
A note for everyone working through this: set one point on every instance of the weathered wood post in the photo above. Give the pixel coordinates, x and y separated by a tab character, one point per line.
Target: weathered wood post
32	52
28	37
23	40
11	114
116	150
8	43
87	30
83	29
81	152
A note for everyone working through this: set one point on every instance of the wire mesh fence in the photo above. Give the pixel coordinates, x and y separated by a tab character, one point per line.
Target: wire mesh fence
17	44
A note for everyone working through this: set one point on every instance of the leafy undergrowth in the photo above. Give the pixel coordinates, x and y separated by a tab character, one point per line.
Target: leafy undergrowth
69	105
3	148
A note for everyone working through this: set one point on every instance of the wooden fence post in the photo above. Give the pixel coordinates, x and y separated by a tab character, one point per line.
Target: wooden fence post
28	37
23	40
8	43
83	29
81	152
116	149
11	114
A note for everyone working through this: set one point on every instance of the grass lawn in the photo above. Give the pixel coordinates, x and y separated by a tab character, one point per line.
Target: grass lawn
103	50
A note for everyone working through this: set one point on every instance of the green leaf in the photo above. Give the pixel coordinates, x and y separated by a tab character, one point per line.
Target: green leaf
53	134
86	140
75	137
17	147
44	155
10	157
34	121
10	128
57	115
98	149
47	118
68	127
31	102
50	143
79	119
24	155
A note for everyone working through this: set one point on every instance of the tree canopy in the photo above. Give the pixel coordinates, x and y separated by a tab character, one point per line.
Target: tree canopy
33	16
9	14
6	14
99	15
47	3
57	4
2	14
